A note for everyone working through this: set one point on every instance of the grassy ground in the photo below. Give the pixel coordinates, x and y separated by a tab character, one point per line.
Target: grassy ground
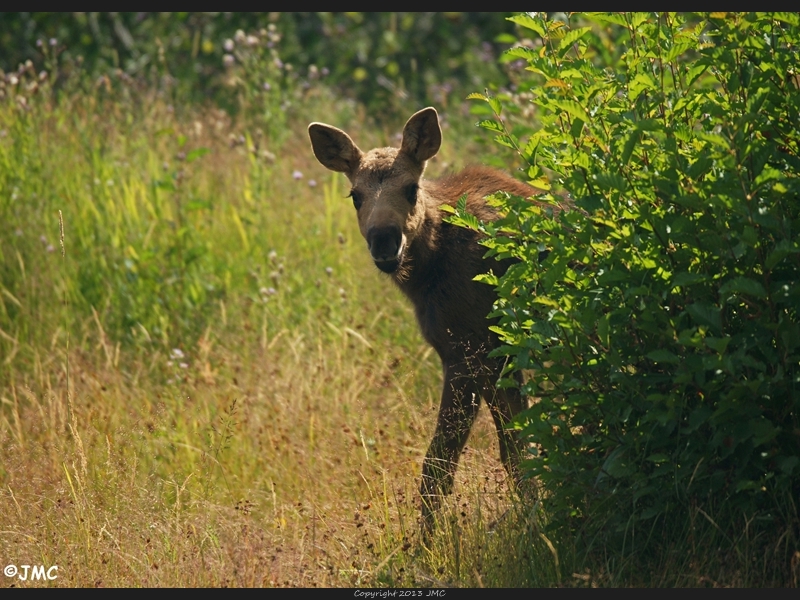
213	386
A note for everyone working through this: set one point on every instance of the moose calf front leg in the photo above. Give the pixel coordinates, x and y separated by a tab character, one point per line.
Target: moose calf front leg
460	403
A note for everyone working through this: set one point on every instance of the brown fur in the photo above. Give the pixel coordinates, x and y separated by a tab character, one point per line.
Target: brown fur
434	264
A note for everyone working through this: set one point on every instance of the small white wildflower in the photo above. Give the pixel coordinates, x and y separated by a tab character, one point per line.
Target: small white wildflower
228	45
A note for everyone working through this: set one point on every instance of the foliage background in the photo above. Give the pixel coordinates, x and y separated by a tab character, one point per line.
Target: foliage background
660	334
384	60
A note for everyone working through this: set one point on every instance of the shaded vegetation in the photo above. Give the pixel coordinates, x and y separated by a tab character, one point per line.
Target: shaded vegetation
660	334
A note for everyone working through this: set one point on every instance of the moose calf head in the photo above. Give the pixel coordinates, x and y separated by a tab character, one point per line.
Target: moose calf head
384	182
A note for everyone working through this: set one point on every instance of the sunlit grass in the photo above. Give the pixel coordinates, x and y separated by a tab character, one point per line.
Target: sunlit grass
242	399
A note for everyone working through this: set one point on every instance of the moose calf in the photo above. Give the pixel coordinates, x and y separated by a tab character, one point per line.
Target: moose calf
434	264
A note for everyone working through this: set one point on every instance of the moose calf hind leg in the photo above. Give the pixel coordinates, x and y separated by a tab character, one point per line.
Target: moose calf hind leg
505	404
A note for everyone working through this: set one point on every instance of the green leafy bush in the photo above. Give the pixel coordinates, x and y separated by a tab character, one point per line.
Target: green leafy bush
659	338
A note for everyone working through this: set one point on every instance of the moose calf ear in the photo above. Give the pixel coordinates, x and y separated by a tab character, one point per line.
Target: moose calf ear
422	135
334	148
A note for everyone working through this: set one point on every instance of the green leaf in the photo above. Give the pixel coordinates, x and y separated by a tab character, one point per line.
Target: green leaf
603	329
718	345
572	108
694	72
627	149
762	430
792	18
608	18
577	128
616	465
677	49
529	23
787	464
642	82
658	457
612	180
698	417
782	249
663	356
685	279
495	104
570	38
520	52
491	125
705	314
743	285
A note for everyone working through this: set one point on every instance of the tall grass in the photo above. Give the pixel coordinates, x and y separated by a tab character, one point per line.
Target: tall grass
213	386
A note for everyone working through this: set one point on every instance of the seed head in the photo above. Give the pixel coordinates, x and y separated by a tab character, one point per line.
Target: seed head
61	230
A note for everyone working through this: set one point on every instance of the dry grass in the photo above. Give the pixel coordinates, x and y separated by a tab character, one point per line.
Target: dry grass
282	446
294	465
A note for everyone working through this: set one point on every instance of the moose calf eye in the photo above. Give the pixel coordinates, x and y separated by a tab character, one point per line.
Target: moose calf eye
357	199
411	193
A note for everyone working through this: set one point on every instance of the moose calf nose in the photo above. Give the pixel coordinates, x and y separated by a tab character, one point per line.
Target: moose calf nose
384	243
